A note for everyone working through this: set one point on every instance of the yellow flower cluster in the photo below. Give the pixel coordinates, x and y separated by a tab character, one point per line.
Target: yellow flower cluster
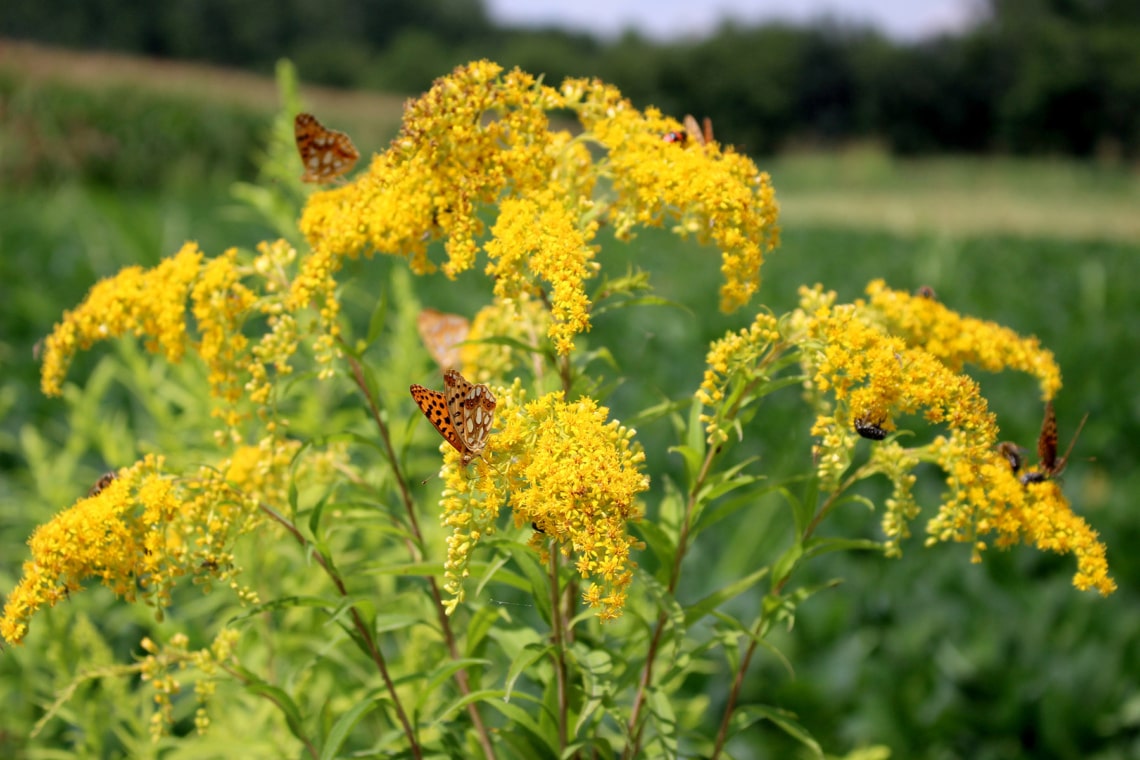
113	536
874	376
480	142
538	237
524	319
987	498
565	469
144	530
717	195
160	664
220	305
135	301
739	357
957	341
153	304
898	465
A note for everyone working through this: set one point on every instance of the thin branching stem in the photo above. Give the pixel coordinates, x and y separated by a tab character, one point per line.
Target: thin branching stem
738	678
415	549
558	631
362	629
634	726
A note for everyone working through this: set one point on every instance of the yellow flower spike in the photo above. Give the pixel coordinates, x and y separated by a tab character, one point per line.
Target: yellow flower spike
135	301
538	238
144	530
481	139
564	466
956	340
220	304
735	355
872	376
987	498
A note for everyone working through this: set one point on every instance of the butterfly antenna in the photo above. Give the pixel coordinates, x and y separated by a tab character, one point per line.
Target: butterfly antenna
1073	442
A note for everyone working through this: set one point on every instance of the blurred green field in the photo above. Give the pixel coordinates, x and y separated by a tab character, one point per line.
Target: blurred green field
931	655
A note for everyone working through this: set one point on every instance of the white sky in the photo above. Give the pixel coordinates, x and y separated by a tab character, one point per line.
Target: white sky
671	19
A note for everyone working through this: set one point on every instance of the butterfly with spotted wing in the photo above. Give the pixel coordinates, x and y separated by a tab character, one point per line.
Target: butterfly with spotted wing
462	413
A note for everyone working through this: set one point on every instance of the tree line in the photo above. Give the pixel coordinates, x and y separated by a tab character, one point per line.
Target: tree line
1030	77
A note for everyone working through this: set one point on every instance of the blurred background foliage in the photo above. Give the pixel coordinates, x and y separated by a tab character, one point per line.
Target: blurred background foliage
996	165
1031	76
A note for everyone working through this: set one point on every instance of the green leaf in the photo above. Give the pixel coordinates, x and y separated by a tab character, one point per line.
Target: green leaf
503	340
377	320
285	602
527	656
537	577
659	542
787	562
489	574
696	612
481	623
314	516
394	622
815	546
638	301
757	633
346	721
803	509
692	459
747	715
695	437
710	516
519	718
657	411
279	698
440	676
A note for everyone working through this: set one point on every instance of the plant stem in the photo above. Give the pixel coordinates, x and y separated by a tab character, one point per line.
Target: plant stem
415	550
558	631
633	726
358	623
757	631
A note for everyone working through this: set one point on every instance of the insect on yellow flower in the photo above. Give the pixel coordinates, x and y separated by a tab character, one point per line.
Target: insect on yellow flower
702	133
442	333
326	153
1012	453
925	291
1051	467
105	480
870	430
462	414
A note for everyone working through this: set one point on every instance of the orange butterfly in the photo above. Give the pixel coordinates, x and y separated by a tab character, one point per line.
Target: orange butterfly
442	333
1051	467
102	483
462	414
326	153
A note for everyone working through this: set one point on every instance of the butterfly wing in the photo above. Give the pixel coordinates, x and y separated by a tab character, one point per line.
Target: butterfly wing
442	333
472	410
693	129
434	406
1047	441
325	153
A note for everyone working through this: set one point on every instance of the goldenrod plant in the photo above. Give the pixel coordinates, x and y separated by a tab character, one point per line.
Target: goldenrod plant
530	602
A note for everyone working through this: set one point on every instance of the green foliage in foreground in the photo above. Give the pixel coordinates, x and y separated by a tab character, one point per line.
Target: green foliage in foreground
926	654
